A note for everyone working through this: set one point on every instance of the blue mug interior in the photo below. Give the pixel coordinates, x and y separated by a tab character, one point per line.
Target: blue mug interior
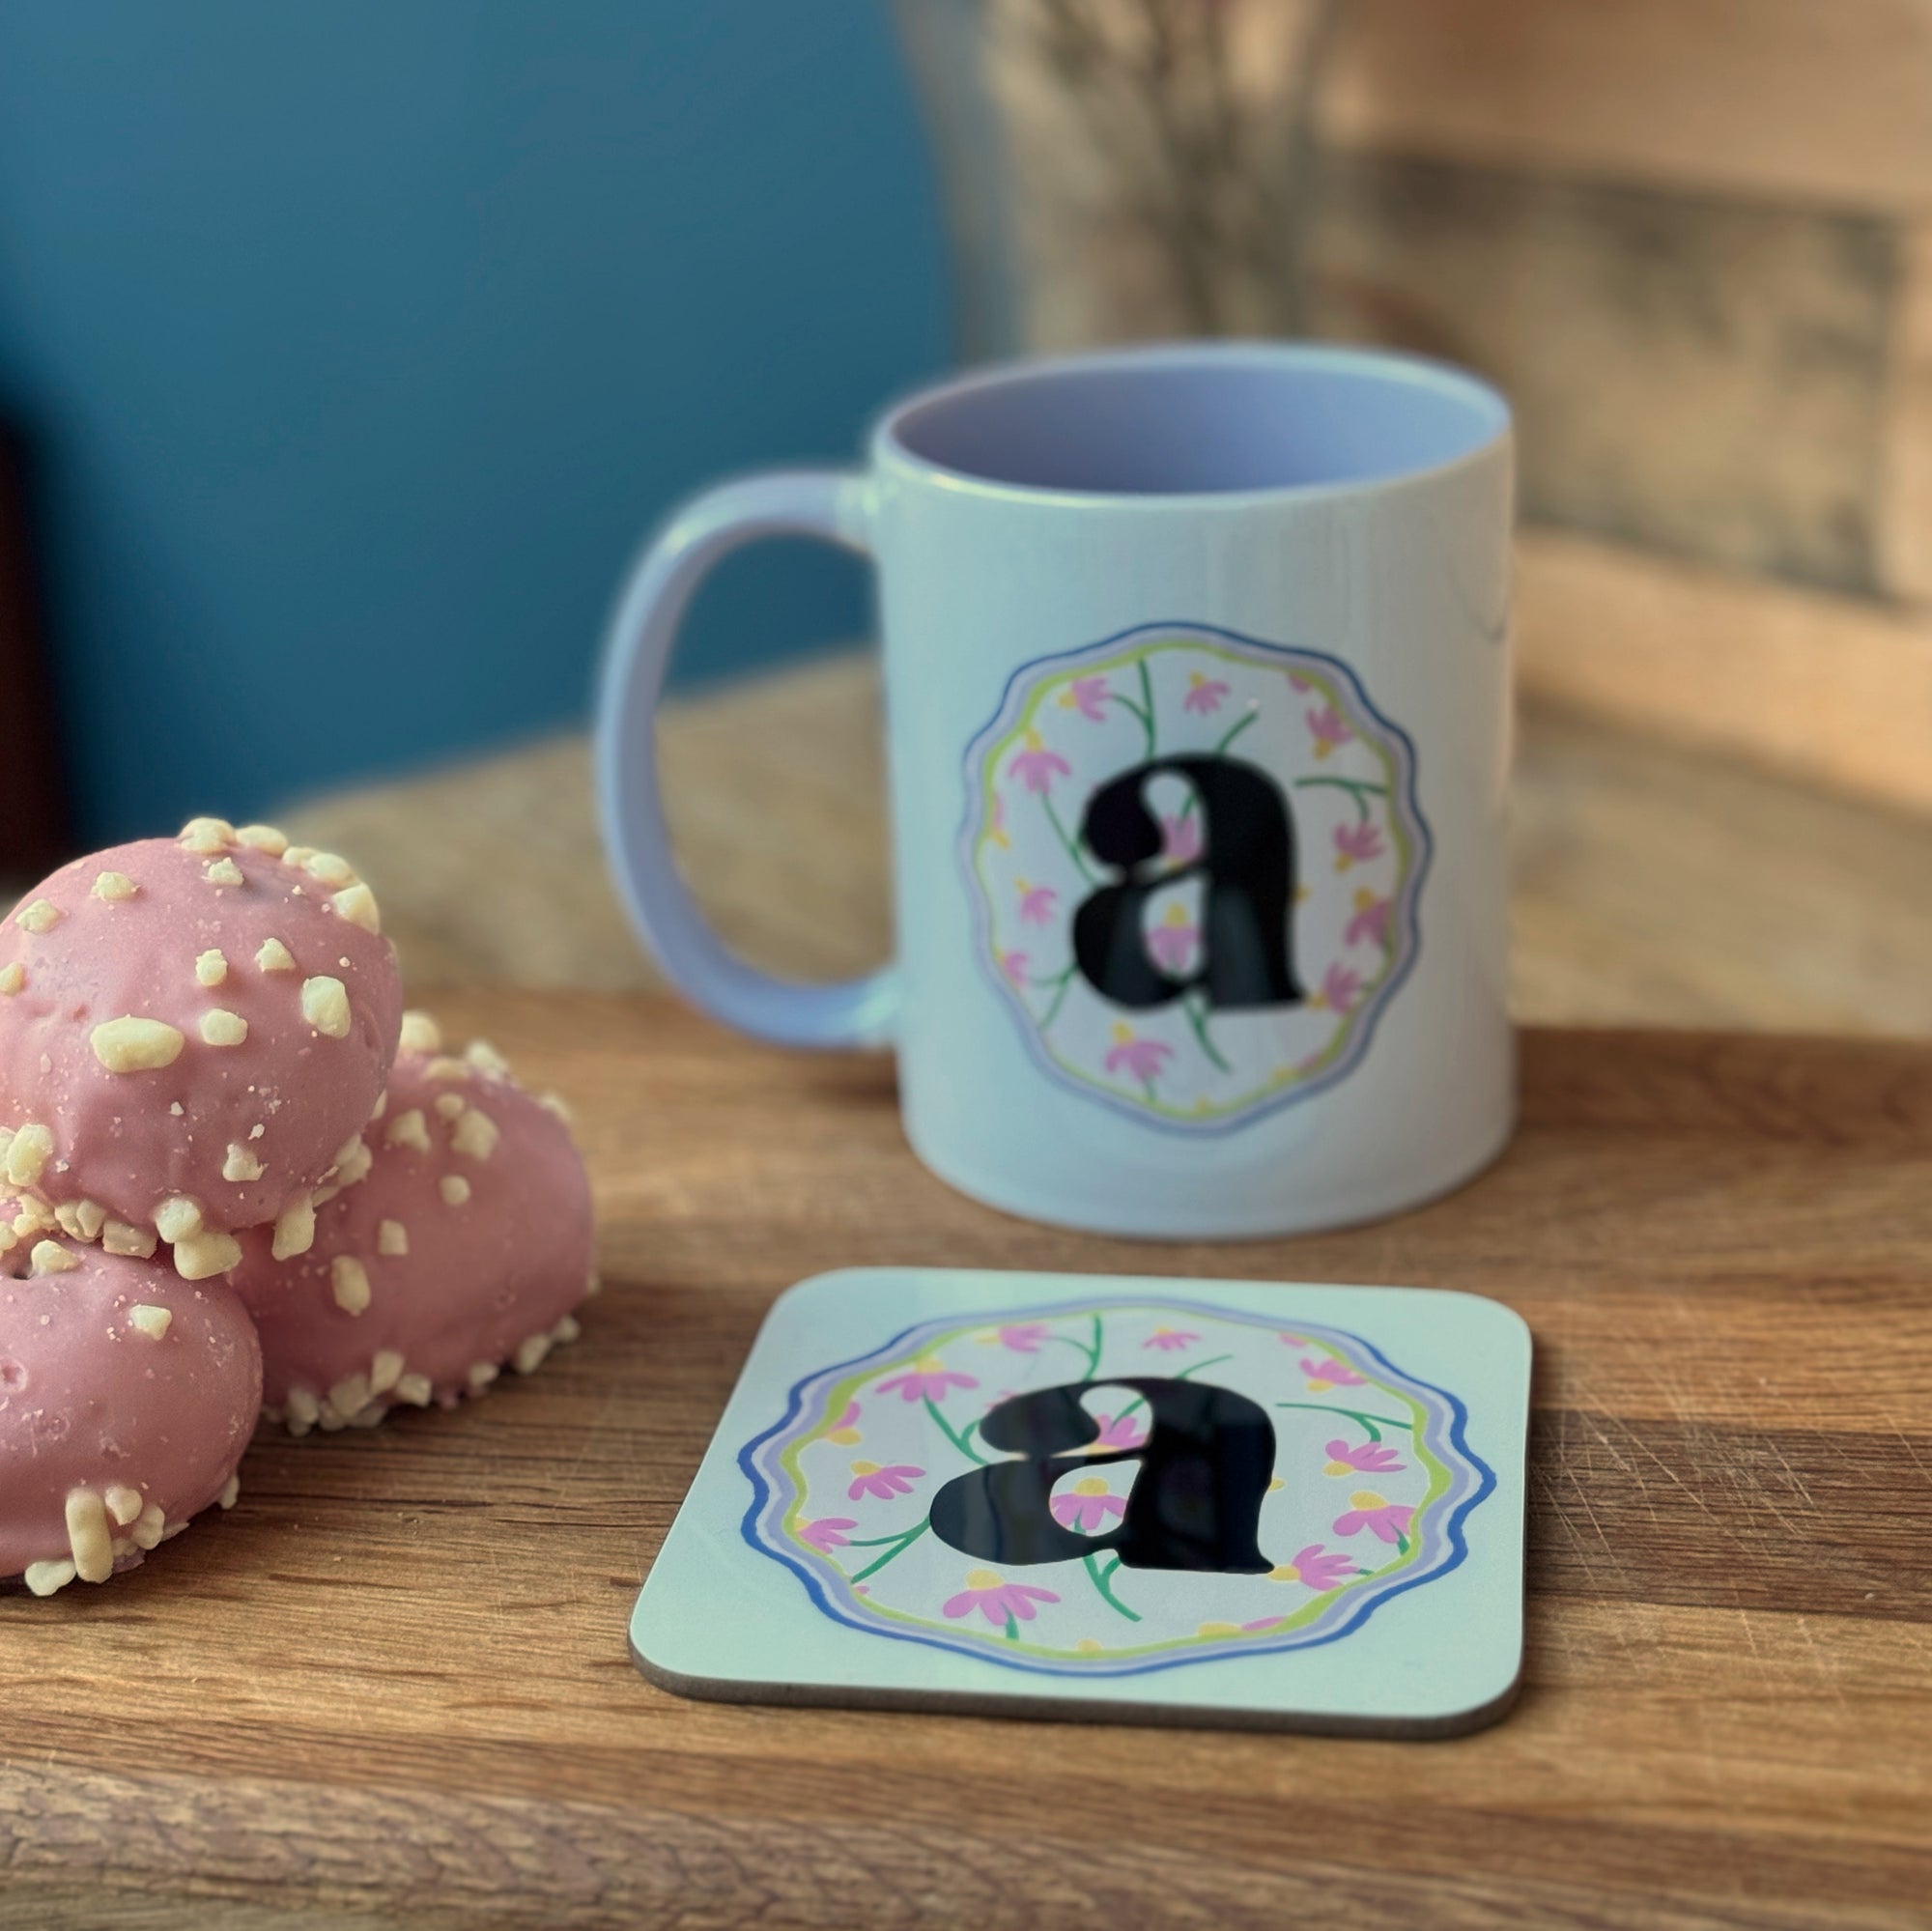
1204	421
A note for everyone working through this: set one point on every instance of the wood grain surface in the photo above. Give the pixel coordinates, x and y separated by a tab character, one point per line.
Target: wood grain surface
390	1689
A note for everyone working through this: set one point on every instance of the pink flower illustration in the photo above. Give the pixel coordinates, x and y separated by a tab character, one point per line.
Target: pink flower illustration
1139	1059
1000	1603
1037	767
1355	844
1024	1337
1371	921
1088	696
826	1533
1341	989
927	1380
1088	1507
1170	1340
1372	1458
1014	966
845	1429
997	831
869	1479
1037	902
1123	1433
1326	1374
1315	1568
1328	730
1204	695
1388	1521
1181	838
1171	942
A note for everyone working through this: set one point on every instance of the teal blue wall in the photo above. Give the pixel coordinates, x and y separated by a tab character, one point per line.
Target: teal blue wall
357	343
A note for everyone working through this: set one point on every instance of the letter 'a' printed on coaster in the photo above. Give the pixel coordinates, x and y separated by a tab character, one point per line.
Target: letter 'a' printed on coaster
1112	1499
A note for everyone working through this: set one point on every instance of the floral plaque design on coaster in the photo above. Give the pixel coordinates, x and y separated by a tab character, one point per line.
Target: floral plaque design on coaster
1209	1500
1362	1494
1138	812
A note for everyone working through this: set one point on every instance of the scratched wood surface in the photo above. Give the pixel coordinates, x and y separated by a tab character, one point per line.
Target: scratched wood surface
390	1688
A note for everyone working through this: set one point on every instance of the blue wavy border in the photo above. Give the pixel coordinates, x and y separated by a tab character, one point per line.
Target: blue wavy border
1409	803
764	1494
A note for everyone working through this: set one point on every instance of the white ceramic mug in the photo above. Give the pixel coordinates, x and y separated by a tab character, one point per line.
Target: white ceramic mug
1197	698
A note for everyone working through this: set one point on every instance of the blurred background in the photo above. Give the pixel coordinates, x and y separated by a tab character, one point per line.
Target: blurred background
347	352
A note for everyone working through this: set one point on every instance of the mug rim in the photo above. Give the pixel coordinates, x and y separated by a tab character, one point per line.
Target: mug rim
892	452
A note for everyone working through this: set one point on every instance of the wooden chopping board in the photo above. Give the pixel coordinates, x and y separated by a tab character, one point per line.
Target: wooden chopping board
391	1687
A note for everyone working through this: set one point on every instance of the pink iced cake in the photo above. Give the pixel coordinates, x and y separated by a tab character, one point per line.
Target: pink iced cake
464	1247
126	1397
193	1033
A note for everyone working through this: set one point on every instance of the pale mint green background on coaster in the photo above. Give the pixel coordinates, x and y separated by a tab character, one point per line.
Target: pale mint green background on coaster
722	1618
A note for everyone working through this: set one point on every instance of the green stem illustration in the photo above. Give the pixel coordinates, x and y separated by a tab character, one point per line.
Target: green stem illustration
1071	844
952	1433
1146	698
1353	786
1102	1579
1234	731
1197	1020
1368	1422
900	1545
1063	984
1195	1367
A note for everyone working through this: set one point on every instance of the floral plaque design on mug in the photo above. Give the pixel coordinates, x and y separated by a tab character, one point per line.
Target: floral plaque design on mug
1195	861
1010	1490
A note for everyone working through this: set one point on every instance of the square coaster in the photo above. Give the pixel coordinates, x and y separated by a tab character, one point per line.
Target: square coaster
1116	1499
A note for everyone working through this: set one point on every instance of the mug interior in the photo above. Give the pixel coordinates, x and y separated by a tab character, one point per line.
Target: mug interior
1191	422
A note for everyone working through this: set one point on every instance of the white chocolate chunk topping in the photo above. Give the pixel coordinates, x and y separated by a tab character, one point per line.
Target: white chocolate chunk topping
357	904
349	1283
223	872
385	1370
485	1058
453	1188
48	1579
27	1154
530	1357
207	834
178	1217
481	1374
49	1257
392	1239
211	967
442	1067
476	1135
42	916
35	1216
450	1104
135	1045
352	1163
231	1493
420	1033
294	1228
88	1538
407	1129
241	1165
148	1531
328	869
220	1028
124	1504
274	956
152	1322
204	1253
113	888
325	1005
118	1238
13	978
415	1389
262	839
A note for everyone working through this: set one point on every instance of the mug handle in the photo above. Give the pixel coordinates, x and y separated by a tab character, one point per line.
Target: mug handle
827	503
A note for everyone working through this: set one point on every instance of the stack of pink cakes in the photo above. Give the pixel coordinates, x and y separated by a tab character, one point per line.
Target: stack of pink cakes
233	1169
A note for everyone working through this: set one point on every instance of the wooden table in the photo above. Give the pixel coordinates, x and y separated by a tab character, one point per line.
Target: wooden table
391	1688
